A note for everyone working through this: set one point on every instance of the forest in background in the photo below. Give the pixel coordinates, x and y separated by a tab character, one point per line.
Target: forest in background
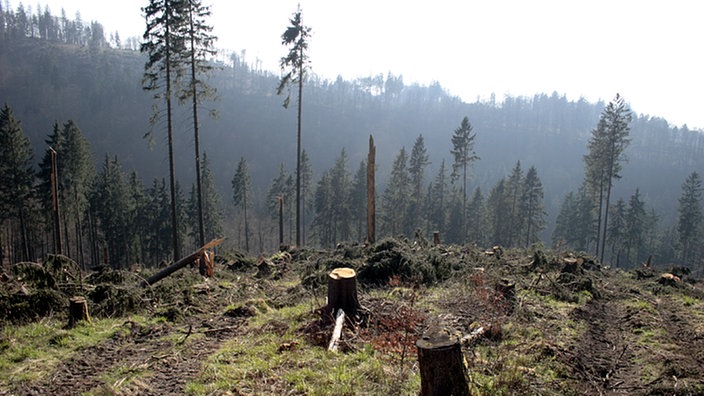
52	78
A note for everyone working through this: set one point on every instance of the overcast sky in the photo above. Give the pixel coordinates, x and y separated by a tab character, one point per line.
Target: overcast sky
648	51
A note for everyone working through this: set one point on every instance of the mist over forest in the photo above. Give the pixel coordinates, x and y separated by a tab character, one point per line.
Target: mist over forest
54	71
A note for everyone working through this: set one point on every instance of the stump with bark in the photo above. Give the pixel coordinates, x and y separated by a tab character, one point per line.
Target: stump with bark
342	292
77	311
442	369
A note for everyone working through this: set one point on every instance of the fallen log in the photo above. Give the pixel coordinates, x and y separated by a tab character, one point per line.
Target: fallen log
197	255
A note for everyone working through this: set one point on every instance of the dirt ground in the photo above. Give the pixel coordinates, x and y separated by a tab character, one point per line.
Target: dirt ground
640	337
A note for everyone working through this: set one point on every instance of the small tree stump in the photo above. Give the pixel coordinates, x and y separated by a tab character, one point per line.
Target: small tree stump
77	311
436	238
507	290
442	370
342	292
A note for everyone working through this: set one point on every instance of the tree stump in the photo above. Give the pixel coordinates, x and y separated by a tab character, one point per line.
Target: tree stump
507	289
436	238
77	311
342	292
442	369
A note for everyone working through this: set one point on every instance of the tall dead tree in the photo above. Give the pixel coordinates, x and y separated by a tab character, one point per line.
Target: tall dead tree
371	209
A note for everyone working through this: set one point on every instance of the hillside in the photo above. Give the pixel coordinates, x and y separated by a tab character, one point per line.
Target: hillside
100	90
571	328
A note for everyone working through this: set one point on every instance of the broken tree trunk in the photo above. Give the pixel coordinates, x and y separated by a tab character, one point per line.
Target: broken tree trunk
181	263
342	292
77	311
436	238
442	369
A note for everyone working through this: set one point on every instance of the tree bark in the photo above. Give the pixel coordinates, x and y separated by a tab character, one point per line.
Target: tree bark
78	311
342	292
442	369
180	263
371	209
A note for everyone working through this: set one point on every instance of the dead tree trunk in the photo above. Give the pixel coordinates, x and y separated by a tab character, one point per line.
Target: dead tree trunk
181	263
442	370
436	238
77	311
342	292
371	208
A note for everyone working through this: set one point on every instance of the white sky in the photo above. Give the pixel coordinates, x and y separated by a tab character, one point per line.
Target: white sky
648	51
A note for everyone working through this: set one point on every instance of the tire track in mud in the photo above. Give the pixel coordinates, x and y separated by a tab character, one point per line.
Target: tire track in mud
169	367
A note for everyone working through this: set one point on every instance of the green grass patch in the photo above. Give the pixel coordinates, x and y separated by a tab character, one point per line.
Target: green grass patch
31	351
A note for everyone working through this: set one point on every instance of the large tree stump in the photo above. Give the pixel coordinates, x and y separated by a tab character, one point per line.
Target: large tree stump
342	292
507	290
77	311
442	369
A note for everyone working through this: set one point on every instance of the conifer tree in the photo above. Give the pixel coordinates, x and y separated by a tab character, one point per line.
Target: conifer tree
339	183
16	177
198	48
476	230
617	230
306	192
358	202
603	161
690	219
418	161
531	207
212	204
514	189
111	203
395	198
163	45
463	153
438	201
242	187
498	209
294	67
635	222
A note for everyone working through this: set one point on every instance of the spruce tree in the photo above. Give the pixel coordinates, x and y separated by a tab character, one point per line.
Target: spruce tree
514	189
396	197
197	49
463	153
690	219
294	67
16	178
417	164
603	161
242	187
163	45
531	207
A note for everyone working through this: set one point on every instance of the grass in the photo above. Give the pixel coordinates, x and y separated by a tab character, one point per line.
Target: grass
274	354
30	352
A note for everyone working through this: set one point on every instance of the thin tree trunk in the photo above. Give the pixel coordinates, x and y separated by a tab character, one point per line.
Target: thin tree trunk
371	205
298	153
598	223
194	92
172	173
246	223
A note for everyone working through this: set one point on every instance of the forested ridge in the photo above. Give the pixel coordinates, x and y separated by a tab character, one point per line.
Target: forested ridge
49	79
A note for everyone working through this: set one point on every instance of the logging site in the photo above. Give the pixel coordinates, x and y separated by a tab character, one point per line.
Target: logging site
398	317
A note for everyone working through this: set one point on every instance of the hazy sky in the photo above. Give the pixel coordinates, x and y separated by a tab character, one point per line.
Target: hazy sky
648	51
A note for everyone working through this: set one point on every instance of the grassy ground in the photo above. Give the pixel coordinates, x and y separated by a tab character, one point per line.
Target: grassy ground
253	332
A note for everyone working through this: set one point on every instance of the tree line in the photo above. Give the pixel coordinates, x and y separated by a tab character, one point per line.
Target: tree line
512	213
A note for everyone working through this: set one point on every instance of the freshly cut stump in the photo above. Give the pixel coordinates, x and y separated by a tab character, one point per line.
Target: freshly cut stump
442	369
342	292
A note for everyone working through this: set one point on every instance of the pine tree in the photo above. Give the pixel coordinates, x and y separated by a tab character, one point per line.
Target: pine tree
603	161
438	201
296	36
531	207
635	227
463	153
212	204
690	220
395	198
514	189
242	187
617	231
476	210
199	47
16	178
163	43
111	203
419	160
358	202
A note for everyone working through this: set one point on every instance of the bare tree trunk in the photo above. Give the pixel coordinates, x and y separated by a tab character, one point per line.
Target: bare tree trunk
371	208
